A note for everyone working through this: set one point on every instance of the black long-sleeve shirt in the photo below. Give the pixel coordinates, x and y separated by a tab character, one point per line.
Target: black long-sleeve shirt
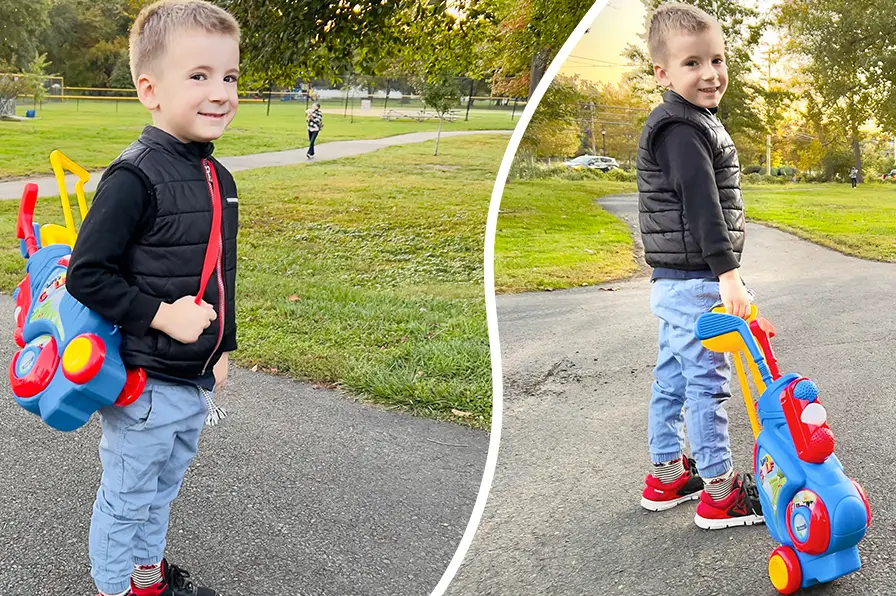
685	156
121	209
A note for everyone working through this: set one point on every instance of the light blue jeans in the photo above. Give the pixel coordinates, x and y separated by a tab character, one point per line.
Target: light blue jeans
145	451
691	383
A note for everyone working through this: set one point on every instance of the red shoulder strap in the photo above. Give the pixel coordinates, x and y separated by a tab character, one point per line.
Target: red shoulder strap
214	239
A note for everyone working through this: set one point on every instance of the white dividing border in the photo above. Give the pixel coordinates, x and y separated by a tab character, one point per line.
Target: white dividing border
489	265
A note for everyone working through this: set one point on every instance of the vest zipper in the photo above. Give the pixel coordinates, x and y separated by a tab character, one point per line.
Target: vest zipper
218	273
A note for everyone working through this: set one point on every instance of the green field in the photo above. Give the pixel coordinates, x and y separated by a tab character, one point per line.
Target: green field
93	133
551	234
860	222
364	274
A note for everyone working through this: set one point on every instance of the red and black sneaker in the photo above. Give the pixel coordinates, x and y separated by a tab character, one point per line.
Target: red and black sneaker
659	497
740	508
175	582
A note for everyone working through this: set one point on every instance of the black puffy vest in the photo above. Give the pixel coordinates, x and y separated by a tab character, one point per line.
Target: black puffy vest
665	232
165	261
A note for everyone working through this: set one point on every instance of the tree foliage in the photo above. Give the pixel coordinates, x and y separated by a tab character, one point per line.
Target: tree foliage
20	26
848	60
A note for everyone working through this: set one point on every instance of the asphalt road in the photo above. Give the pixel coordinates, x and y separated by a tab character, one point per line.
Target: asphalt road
299	491
563	515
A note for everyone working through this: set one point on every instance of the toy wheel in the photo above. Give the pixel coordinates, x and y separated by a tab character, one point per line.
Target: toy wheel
133	387
784	570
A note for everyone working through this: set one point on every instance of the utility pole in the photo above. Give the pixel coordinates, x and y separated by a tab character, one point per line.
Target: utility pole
593	148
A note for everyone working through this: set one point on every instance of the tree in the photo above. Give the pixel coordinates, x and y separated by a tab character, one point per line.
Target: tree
441	93
621	111
531	32
846	48
86	38
554	130
284	42
20	26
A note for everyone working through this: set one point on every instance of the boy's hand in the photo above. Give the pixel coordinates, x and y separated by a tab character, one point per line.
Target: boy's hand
184	320
220	370
734	294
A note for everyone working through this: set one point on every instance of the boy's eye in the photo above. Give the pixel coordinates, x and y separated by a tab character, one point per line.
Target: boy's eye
198	77
718	61
691	63
231	79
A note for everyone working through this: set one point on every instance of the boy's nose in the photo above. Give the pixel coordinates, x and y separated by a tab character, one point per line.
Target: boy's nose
217	93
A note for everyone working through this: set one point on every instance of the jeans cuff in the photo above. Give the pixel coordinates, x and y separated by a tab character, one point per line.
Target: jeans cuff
662	458
715	470
150	561
114	588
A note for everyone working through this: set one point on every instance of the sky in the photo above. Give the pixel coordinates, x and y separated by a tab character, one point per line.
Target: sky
597	57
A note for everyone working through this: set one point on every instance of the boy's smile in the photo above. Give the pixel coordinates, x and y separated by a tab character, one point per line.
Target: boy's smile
695	67
193	90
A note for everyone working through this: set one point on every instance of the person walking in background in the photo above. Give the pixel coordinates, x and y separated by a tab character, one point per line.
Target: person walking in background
315	120
854	175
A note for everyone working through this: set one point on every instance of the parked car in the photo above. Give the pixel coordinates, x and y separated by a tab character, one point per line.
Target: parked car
890	175
597	162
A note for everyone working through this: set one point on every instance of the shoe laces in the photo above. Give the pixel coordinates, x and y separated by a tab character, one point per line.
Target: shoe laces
748	486
178	578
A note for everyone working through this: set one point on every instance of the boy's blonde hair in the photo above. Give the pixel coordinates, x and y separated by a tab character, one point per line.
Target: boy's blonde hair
675	19
159	22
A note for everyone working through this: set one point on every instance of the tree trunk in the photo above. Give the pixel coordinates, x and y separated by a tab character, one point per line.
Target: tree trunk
439	136
536	71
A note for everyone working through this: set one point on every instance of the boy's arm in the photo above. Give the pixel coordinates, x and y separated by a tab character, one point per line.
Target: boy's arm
685	156
121	207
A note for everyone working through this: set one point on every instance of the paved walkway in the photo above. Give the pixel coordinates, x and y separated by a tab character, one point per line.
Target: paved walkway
563	515
12	189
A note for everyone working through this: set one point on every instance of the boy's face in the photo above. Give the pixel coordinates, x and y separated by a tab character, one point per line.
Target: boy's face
192	91
695	67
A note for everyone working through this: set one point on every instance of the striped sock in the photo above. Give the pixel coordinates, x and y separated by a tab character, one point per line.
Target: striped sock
721	486
128	591
669	472
146	576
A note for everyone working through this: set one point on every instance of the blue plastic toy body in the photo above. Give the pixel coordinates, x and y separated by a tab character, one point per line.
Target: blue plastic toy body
816	512
63	390
69	364
814	508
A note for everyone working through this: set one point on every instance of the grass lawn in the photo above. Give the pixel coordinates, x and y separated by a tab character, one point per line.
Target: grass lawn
363	273
860	222
551	235
94	133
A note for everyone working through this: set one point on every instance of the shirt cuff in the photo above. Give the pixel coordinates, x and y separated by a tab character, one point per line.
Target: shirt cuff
722	262
142	311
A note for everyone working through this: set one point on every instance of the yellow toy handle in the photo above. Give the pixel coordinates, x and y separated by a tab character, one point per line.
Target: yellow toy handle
737	352
61	163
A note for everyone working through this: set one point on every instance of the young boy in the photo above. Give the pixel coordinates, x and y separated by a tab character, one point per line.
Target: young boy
138	262
692	227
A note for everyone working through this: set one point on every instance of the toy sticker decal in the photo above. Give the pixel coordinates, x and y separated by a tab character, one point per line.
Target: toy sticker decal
48	303
771	478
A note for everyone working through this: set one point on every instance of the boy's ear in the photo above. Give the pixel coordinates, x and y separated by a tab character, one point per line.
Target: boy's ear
662	77
146	91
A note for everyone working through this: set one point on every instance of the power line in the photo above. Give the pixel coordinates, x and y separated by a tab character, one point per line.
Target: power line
587	59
